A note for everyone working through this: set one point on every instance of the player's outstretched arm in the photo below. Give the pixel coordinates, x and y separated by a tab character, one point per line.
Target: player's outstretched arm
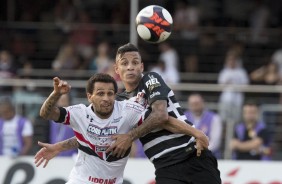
49	151
48	109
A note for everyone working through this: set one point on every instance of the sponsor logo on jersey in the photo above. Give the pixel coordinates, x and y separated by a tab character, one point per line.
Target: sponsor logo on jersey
155	94
102	180
140	98
135	107
92	129
152	83
116	120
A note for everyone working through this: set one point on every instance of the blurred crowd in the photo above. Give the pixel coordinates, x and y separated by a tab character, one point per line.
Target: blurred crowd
208	37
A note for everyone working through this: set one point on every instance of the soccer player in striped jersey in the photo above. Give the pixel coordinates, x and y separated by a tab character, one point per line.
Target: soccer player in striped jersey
173	155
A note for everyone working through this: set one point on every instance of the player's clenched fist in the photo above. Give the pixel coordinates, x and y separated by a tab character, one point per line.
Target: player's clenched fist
60	86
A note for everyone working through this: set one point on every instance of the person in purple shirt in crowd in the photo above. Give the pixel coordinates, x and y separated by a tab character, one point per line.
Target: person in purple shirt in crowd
59	132
207	121
16	131
252	139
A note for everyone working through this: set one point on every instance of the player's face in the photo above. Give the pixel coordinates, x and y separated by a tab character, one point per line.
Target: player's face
129	67
102	99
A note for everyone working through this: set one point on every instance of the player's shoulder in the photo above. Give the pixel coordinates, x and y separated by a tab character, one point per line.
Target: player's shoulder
151	75
77	107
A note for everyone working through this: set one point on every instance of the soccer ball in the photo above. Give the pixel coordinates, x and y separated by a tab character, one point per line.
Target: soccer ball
154	24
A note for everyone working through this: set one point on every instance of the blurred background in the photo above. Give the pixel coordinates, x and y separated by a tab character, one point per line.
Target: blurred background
226	51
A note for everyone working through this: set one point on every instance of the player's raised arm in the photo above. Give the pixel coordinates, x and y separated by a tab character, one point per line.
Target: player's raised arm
48	109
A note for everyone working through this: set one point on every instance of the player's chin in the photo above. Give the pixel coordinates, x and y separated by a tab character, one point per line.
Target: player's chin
132	80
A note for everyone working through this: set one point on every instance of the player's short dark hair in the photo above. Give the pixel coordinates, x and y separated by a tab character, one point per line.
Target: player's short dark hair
100	77
129	47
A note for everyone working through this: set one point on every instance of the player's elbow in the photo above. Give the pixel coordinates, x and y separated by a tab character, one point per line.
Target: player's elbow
42	114
162	118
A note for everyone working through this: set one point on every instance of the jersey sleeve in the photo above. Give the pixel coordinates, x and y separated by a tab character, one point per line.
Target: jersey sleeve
134	113
72	115
155	87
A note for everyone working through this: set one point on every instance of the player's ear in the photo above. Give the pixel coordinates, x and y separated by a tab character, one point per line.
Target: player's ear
89	97
116	68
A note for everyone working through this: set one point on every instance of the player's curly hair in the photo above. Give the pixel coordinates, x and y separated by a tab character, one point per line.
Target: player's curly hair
100	77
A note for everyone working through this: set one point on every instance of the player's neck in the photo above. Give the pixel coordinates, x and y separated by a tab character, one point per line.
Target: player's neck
130	87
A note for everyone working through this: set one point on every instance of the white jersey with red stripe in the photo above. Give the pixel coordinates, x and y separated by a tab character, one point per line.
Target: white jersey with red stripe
93	134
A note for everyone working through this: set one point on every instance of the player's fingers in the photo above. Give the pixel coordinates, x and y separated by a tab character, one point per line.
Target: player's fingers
110	149
123	153
114	137
42	144
199	152
46	163
115	152
119	152
39	162
56	80
60	83
39	153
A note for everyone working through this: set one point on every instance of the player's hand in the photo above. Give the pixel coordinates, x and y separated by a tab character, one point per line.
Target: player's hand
122	143
60	87
46	153
202	142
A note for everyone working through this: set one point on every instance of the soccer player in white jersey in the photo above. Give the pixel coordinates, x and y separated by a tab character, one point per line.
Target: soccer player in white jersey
94	126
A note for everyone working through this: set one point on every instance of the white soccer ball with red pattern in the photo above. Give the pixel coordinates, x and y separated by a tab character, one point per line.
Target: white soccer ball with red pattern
154	24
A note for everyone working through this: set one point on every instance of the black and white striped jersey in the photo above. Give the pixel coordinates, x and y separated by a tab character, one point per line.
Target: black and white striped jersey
162	147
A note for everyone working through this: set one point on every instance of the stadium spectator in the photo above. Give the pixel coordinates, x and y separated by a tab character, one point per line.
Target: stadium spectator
259	20
67	58
8	70
277	59
206	120
102	62
230	102
191	63
64	15
160	68
7	65
186	20
60	132
267	74
83	36
251	139
170	58
15	131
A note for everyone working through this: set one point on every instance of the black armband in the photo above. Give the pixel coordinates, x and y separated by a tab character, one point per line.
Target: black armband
63	113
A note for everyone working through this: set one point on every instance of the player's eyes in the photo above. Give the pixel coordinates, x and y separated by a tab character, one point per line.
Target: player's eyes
110	94
124	63
100	94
